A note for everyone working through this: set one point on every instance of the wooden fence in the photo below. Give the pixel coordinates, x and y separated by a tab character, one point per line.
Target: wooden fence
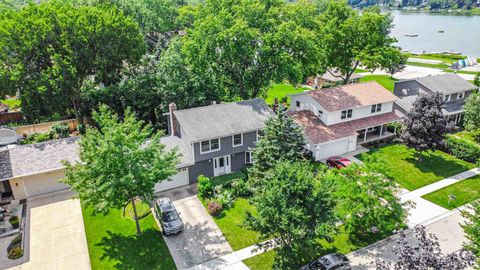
9	117
44	127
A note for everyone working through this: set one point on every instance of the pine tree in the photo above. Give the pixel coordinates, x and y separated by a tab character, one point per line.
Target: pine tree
282	139
425	125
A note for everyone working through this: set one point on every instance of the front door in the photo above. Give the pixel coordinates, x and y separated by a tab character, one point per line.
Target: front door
221	165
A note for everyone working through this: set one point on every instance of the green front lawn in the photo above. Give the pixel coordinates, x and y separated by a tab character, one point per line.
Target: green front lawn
384	80
262	261
468	135
12	102
231	223
427	65
281	90
113	244
465	191
403	167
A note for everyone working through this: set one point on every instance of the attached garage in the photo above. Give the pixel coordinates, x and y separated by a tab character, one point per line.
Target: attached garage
335	148
178	180
39	184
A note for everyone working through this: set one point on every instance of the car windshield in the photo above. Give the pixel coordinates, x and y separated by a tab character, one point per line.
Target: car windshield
169	216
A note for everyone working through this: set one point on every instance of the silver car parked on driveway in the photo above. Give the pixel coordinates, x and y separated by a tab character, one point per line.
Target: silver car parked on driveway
168	216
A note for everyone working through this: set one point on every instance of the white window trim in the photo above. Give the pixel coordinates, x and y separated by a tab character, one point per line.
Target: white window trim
256	136
461	95
210	144
448	97
241	140
251	157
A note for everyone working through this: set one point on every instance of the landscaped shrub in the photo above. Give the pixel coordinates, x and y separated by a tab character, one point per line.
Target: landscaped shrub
214	208
60	130
462	149
143	210
241	188
15	222
15	253
205	187
225	199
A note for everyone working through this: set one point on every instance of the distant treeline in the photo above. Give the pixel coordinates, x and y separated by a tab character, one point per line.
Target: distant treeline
431	4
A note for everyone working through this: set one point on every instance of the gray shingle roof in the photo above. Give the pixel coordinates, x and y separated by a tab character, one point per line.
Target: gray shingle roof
184	149
223	119
22	160
446	83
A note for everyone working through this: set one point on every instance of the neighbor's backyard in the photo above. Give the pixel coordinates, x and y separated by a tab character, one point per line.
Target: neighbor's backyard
414	170
113	244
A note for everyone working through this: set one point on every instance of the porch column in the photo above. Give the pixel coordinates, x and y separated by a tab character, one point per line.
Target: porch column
456	119
381	130
395	130
365	135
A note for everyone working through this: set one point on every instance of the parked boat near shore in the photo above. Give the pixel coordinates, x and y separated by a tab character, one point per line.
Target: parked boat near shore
411	35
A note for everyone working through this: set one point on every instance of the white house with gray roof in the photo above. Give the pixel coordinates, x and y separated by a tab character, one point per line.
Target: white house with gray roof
215	139
453	88
35	169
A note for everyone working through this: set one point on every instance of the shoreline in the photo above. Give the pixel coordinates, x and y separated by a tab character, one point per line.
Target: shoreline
454	12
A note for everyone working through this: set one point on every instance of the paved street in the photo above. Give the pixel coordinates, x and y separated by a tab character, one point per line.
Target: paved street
446	228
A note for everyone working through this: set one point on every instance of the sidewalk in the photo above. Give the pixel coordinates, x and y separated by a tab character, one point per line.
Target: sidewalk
425	210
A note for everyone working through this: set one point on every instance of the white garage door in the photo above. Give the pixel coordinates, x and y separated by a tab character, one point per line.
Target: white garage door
178	180
332	149
43	184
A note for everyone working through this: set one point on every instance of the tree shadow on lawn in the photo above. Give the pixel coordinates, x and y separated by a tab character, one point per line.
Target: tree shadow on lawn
438	165
146	251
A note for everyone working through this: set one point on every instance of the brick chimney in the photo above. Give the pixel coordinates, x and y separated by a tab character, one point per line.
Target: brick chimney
173	121
275	105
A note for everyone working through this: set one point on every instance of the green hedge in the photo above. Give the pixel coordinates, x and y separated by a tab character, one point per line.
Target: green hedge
462	149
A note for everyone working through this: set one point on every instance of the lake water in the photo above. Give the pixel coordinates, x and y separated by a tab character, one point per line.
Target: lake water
462	33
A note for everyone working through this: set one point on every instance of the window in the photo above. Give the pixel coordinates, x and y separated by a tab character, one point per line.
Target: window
209	146
347	114
448	97
461	95
376	108
237	140
259	134
298	104
248	157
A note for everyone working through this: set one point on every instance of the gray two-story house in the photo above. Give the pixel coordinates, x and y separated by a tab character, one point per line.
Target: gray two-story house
213	140
453	88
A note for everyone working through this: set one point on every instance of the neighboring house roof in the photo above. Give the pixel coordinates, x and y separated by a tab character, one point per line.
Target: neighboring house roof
351	96
223	119
446	83
184	149
317	132
23	160
406	103
336	76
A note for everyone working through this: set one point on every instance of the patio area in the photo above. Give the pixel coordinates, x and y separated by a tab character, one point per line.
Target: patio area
375	133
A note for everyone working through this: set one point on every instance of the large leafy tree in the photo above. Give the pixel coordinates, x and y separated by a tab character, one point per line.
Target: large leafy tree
351	38
367	204
51	49
472	112
118	162
472	230
281	139
294	211
250	43
425	125
424	253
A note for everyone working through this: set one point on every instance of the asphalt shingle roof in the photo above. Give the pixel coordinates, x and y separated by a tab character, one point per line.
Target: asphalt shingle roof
22	160
223	119
446	83
184	149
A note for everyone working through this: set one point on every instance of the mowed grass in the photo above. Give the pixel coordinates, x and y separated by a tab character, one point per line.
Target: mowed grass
465	191
282	90
262	261
12	102
468	135
113	243
231	223
384	80
402	166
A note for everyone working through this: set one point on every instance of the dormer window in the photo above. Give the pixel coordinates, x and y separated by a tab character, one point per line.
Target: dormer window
376	108
347	114
461	95
448	97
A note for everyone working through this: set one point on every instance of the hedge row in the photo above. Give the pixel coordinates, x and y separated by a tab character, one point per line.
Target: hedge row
462	149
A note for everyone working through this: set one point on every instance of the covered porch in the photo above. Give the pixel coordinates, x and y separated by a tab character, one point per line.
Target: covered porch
454	120
374	133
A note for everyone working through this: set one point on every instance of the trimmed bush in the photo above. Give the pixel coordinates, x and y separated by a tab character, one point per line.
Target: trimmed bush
143	210
15	222
214	208
241	188
15	253
462	149
205	187
225	199
60	130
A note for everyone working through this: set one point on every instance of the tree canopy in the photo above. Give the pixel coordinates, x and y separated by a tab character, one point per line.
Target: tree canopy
350	38
472	230
118	162
49	50
472	112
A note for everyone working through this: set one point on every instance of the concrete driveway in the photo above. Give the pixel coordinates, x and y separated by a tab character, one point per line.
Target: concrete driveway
55	235
201	239
447	228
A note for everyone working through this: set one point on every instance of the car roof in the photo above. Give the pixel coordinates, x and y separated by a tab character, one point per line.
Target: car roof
333	259
337	158
165	204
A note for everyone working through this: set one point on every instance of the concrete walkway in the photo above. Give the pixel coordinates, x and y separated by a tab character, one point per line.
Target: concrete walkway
425	210
55	234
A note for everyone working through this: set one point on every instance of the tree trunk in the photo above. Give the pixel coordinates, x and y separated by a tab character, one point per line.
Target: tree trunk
78	113
139	231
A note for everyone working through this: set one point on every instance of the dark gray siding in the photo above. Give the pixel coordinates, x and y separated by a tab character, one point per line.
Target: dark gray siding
226	147
205	167
238	161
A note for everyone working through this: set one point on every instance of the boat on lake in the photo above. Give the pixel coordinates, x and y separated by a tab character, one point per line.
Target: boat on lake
441	31
411	35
